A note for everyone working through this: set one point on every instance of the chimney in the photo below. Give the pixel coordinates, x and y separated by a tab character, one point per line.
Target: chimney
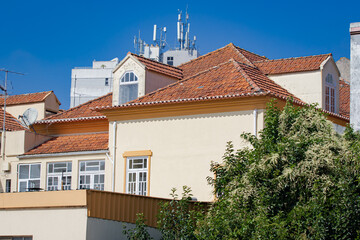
355	75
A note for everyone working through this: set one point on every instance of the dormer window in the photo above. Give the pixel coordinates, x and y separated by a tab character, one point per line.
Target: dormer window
329	93
128	87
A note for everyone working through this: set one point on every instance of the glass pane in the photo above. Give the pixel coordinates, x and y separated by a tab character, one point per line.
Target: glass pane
138	161
128	92
69	167
51	168
92	164
130	164
127	77
82	166
102	178
24	172
34	183
23	186
92	168
35	171
50	181
96	178
60	165
145	163
102	165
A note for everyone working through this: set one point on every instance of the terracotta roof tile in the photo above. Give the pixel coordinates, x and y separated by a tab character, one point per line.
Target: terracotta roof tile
72	143
288	65
229	78
344	98
217	57
160	67
81	112
25	98
11	123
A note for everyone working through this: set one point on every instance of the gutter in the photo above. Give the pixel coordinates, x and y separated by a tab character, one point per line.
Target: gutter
62	154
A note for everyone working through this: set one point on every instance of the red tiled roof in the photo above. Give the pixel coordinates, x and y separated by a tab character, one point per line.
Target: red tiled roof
81	112
217	57
160	67
25	98
11	123
229	78
72	143
288	65
344	98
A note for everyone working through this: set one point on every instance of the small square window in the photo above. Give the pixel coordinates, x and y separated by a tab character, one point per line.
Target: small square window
170	61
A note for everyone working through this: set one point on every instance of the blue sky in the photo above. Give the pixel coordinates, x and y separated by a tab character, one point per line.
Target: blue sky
46	39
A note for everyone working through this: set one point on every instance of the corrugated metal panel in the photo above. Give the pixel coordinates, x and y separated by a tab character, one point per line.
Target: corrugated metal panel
124	207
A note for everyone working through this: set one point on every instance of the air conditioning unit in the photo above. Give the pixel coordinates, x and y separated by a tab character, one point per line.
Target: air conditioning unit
5	166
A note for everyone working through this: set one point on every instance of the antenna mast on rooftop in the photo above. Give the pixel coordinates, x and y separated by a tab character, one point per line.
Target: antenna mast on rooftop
4	88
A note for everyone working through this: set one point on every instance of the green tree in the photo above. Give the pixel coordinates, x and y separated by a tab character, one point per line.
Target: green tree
298	180
176	219
139	232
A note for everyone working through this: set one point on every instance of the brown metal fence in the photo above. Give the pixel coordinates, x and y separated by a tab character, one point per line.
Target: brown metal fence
124	207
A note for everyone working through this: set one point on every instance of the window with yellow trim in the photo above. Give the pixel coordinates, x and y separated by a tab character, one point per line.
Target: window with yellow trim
137	175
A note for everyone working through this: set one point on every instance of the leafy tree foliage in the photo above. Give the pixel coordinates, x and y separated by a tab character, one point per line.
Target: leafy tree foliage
139	232
176	219
298	180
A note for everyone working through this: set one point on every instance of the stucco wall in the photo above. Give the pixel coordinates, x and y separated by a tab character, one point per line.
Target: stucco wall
19	109
45	224
129	64
305	85
51	104
183	148
155	81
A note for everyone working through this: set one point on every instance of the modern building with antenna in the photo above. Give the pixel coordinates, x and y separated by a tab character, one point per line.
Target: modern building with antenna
88	83
184	51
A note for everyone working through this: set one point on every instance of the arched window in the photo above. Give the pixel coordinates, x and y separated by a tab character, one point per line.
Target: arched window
128	87
330	95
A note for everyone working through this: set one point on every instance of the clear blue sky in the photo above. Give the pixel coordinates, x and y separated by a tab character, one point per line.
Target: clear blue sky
46	39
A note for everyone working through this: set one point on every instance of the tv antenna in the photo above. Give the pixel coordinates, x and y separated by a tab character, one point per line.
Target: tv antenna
4	89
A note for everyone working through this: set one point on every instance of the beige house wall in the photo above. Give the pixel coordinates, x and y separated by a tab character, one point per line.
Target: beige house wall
305	85
182	148
155	81
51	103
19	109
45	224
75	159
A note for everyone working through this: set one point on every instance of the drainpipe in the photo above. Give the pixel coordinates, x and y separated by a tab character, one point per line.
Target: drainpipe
114	155
355	76
255	121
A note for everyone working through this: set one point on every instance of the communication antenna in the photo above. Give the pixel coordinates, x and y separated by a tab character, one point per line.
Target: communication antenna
29	117
4	88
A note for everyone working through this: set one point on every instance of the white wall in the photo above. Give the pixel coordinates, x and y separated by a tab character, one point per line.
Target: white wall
45	224
305	85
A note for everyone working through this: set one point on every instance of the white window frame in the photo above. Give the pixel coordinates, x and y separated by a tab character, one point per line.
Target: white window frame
141	175
92	175
330	94
134	82
63	178
30	179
